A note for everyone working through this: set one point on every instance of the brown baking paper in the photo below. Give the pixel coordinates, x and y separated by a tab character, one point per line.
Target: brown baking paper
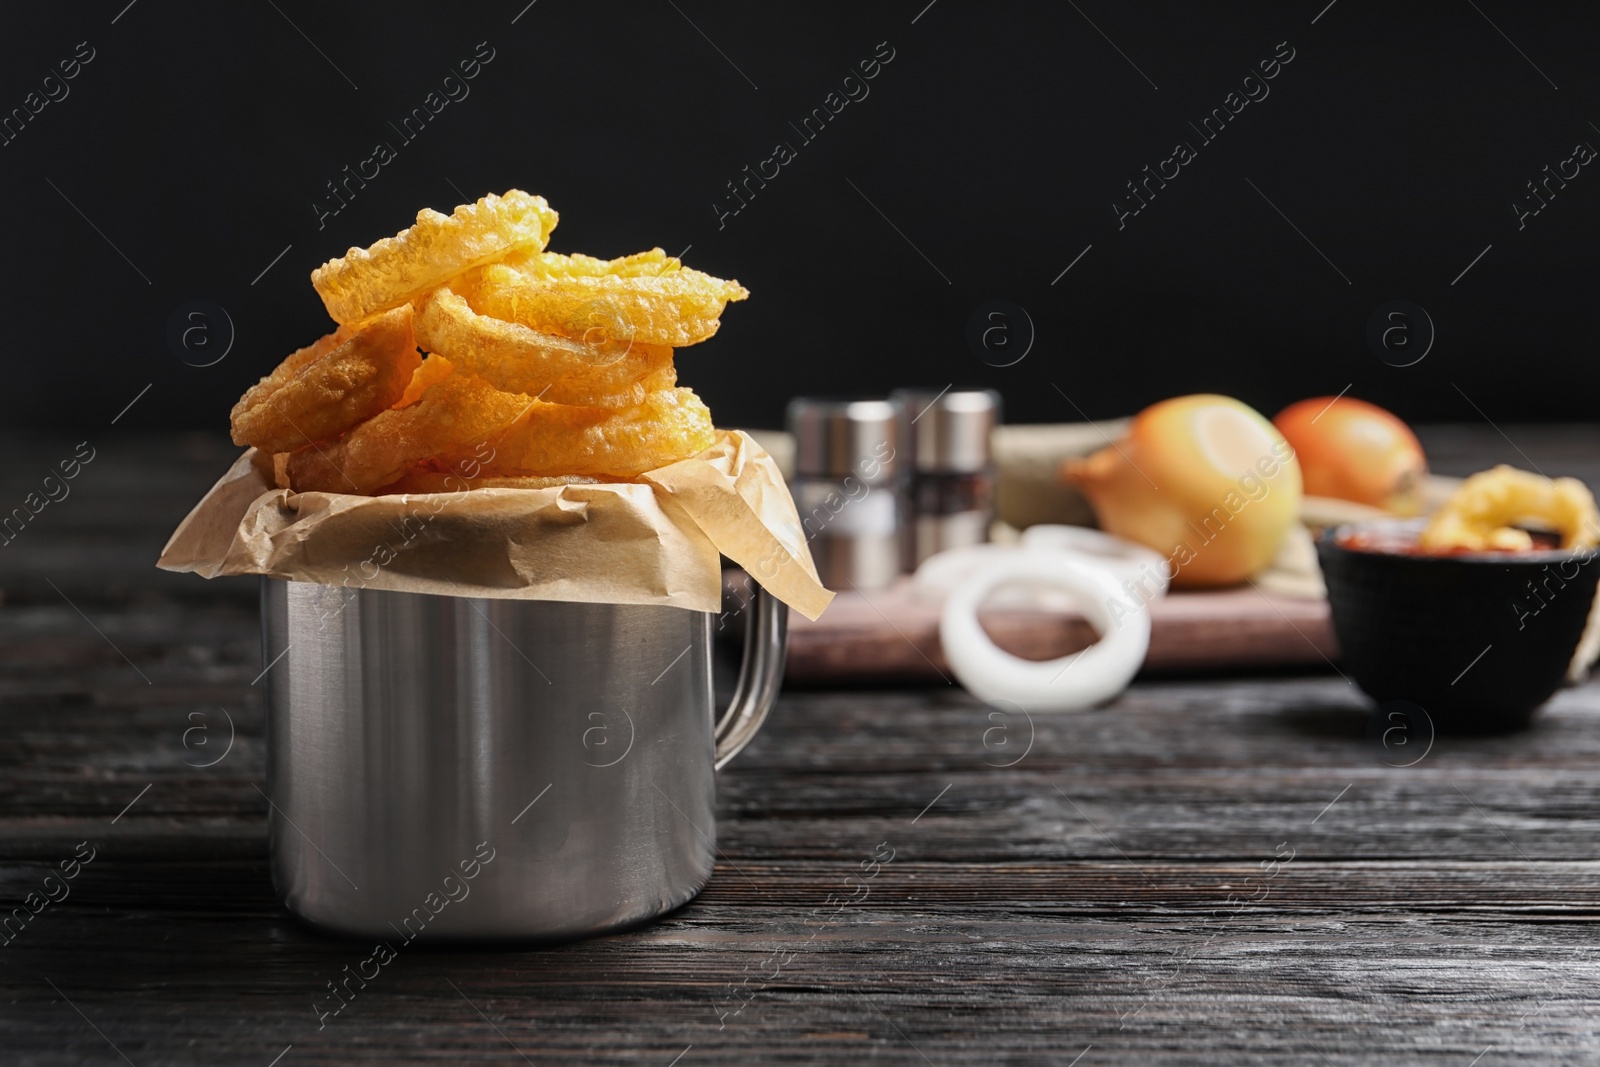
652	542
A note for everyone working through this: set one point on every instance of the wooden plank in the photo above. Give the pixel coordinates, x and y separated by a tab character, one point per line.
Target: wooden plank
161	875
893	635
947	986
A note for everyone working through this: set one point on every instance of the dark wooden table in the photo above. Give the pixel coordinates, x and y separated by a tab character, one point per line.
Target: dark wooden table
1213	870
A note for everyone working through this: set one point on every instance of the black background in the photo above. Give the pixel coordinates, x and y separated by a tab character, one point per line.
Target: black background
199	137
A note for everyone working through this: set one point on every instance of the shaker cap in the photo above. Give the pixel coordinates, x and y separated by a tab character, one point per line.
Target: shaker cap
949	431
835	438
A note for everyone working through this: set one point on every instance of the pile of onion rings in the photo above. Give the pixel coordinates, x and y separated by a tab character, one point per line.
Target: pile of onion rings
541	368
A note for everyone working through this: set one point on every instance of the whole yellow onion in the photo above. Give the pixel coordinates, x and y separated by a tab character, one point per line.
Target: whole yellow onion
1205	480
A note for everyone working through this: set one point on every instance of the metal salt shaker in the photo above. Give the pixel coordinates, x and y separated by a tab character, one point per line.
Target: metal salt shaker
953	476
850	488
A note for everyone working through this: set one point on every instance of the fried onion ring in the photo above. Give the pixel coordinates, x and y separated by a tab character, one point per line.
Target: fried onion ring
627	300
1480	514
434	370
555	439
555	369
326	388
398	269
554	266
449	417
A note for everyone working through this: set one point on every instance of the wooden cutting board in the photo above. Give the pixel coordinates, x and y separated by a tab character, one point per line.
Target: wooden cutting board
893	635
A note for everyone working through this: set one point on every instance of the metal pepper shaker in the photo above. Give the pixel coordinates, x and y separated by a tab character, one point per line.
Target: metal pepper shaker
952	468
850	488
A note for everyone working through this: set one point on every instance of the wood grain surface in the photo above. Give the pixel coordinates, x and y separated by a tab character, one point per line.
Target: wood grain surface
1219	870
893	634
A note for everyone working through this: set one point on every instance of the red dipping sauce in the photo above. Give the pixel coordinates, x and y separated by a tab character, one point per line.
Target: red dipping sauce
1403	542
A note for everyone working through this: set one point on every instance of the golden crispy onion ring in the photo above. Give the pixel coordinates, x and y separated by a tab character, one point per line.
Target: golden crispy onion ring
434	370
398	269
554	439
326	388
453	416
555	369
627	300
1481	514
554	266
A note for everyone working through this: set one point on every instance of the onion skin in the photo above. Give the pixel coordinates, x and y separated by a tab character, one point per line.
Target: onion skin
1352	450
1205	480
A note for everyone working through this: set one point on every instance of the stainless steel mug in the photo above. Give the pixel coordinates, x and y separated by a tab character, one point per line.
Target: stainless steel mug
496	769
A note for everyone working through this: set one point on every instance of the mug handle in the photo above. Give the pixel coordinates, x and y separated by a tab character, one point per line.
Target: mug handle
766	648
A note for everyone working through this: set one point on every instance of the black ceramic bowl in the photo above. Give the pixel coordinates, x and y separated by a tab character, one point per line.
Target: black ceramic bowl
1479	641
